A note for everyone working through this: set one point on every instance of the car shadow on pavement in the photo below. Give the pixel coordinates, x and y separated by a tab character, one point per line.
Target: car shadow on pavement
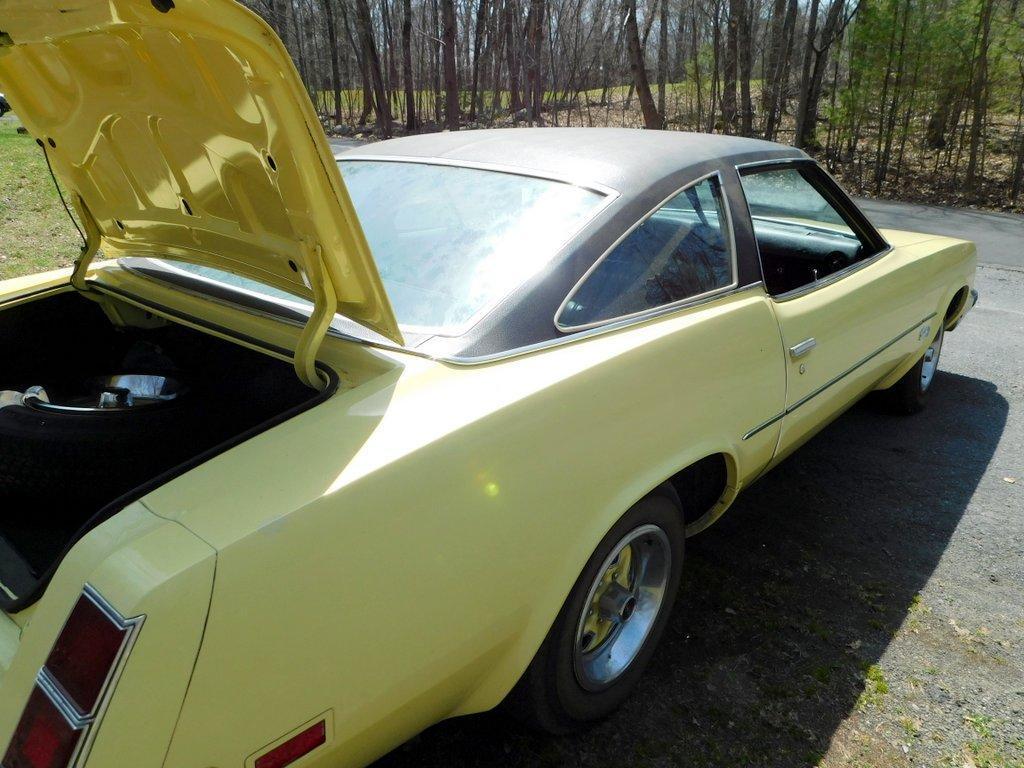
787	603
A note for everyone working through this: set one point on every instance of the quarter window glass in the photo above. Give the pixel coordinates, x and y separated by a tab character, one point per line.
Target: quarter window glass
802	238
681	251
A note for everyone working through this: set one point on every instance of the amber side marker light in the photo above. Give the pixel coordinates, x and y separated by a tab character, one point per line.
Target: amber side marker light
72	686
297	746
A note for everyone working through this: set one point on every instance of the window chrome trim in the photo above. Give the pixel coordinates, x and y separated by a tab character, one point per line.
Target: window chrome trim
661	308
513	170
598	330
803	290
466	361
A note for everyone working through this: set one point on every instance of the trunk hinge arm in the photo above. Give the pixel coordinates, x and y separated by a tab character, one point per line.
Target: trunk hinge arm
325	306
92	243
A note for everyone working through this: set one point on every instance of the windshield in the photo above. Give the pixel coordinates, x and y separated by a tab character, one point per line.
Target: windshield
449	242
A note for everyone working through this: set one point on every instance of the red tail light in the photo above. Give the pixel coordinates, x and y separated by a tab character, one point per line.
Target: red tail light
85	653
71	687
45	737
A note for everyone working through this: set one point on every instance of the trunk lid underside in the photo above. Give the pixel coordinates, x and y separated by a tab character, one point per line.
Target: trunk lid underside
181	129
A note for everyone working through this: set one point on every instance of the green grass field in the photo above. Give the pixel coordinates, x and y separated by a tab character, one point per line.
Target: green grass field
37	235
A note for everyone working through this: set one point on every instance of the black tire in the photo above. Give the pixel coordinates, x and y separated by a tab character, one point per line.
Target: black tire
550	696
909	395
94	457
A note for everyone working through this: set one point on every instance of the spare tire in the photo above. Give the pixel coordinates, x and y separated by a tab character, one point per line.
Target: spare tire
90	457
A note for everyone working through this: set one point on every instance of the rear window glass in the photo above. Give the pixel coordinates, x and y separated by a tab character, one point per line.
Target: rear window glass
451	242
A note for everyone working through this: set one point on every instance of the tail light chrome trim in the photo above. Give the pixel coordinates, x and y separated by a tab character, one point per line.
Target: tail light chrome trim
84	723
132	627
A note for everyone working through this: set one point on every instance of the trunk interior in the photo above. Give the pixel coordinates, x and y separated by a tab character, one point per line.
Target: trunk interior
120	410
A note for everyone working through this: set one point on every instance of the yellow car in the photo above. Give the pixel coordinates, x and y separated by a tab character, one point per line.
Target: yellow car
284	486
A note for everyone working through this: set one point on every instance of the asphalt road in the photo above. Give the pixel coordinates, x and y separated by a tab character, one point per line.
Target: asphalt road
862	605
1000	236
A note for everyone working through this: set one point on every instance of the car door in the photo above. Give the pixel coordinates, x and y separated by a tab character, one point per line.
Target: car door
838	294
716	367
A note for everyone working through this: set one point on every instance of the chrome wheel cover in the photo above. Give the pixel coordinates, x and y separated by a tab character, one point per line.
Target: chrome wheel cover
931	361
622	607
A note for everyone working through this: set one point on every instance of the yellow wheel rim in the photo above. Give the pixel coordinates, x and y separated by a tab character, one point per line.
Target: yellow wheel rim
622	606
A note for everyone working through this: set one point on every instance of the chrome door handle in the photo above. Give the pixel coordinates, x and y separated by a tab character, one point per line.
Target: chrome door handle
801	349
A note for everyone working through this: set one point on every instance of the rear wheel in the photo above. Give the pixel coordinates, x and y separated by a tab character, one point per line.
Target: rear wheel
610	624
910	393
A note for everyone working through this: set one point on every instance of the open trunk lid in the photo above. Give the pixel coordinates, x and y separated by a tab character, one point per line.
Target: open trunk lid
181	129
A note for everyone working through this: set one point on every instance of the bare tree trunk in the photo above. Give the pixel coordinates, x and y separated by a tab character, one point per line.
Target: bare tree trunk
332	38
407	76
662	55
636	58
771	85
535	52
435	60
979	95
830	32
390	73
716	48
881	161
451	73
515	95
746	64
1017	178
888	131
729	67
805	73
364	70
938	123
381	105
695	50
478	38
497	53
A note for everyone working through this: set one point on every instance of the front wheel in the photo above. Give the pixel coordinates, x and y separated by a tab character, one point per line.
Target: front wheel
910	393
610	624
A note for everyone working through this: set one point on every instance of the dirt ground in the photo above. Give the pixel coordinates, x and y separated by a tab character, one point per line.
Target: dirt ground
863	605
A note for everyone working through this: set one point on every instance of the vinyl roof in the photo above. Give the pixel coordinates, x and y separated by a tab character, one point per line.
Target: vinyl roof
625	159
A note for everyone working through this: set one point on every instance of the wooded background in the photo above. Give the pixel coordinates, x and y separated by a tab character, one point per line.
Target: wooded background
914	99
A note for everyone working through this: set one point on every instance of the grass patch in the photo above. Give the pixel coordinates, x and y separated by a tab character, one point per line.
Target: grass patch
980	724
984	753
911	727
875	688
37	235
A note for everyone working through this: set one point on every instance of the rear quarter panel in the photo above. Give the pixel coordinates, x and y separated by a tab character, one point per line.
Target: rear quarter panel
937	269
396	555
143	566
